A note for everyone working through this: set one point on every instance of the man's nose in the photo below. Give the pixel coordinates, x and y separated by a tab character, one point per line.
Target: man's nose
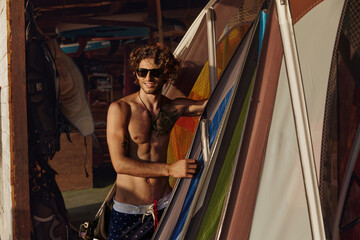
148	76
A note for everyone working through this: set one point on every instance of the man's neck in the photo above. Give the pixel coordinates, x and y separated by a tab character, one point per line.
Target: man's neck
151	101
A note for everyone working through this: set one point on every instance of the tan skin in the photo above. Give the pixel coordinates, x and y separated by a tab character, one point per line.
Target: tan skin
138	131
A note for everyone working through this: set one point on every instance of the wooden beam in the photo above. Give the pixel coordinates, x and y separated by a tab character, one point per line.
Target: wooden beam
53	4
77	11
21	220
91	21
159	20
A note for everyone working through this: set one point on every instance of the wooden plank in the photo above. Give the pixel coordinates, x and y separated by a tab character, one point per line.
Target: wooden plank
18	128
91	21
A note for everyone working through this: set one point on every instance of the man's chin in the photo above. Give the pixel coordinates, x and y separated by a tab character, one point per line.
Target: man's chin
152	91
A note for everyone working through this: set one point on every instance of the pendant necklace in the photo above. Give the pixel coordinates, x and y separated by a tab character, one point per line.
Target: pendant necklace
153	122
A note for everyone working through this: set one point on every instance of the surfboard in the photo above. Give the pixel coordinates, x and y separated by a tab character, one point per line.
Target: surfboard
215	111
203	221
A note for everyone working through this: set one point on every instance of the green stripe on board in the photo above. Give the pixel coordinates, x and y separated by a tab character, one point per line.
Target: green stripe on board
212	216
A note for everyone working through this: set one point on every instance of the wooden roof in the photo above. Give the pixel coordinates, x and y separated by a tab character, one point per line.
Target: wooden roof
112	12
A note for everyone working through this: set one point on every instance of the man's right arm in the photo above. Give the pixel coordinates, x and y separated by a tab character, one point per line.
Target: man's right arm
119	145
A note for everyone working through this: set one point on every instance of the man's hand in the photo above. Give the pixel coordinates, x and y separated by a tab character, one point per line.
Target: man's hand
184	168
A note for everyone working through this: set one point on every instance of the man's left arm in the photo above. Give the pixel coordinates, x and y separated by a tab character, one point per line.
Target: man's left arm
191	108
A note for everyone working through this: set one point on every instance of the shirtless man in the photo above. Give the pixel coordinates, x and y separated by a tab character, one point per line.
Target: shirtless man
138	131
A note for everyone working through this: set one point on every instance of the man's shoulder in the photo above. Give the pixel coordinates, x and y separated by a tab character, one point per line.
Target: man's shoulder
125	102
169	103
174	105
119	104
122	105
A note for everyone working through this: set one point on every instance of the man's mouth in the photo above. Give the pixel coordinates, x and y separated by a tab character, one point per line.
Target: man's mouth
149	85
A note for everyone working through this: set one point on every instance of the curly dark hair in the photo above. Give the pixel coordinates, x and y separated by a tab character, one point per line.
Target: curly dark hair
162	56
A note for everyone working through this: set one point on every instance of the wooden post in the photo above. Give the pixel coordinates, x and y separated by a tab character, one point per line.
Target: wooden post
159	18
21	220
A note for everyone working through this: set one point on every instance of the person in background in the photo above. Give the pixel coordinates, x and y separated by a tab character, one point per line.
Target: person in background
138	132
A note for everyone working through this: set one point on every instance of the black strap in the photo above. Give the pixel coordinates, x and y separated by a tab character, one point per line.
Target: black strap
86	173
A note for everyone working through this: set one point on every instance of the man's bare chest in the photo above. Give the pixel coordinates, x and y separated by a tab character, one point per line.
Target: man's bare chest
144	126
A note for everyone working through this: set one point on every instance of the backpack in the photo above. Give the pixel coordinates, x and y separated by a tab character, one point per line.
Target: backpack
50	219
42	103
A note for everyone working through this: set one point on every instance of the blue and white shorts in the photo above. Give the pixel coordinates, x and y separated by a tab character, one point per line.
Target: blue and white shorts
129	221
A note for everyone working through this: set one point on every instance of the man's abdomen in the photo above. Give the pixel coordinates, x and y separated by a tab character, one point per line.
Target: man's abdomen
139	190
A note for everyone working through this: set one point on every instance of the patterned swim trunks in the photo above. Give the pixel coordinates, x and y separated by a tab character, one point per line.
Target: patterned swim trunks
135	222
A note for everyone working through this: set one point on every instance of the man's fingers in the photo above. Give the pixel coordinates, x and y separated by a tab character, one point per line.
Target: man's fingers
192	161
193	171
193	166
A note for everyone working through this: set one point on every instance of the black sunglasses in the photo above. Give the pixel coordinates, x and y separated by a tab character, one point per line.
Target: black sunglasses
156	72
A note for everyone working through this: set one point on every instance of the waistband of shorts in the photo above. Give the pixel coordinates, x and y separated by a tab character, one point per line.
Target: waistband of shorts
140	209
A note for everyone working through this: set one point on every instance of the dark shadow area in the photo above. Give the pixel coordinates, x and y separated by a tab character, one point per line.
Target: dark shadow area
103	176
81	214
82	205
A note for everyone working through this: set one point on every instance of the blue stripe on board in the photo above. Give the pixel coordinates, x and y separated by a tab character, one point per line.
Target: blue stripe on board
263	17
89	46
214	126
